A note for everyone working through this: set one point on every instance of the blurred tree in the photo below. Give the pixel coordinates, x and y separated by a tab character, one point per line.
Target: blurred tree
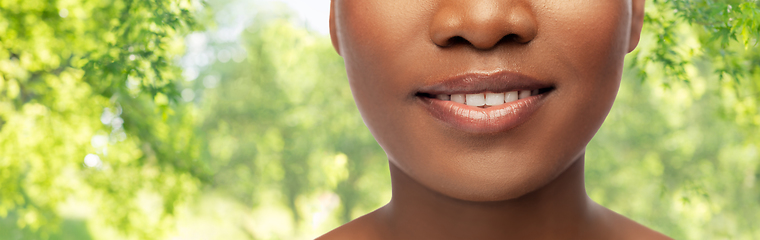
284	121
88	114
683	138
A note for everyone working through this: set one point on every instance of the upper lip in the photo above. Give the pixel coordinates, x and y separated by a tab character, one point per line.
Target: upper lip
479	82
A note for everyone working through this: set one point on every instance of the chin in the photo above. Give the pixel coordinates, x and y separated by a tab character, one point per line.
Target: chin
476	179
492	191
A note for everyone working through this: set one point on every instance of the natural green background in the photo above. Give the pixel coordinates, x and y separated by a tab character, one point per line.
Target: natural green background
229	120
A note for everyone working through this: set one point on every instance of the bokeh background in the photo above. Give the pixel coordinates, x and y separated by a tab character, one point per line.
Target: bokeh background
232	119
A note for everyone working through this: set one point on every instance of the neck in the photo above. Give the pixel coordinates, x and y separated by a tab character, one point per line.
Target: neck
561	206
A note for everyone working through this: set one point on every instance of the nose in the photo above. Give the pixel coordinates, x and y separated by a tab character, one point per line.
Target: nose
482	24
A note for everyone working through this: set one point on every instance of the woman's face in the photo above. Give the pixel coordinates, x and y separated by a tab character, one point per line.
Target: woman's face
484	100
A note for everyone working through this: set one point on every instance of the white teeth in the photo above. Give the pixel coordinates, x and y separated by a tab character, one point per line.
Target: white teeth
494	99
477	99
510	96
487	99
458	98
524	94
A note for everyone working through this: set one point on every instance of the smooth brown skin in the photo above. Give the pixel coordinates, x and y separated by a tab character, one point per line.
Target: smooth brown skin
523	183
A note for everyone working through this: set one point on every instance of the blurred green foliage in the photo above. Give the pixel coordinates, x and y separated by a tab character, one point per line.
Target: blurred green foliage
93	77
126	120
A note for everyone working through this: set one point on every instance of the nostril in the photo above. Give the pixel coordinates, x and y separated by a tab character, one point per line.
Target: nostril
514	38
509	38
456	40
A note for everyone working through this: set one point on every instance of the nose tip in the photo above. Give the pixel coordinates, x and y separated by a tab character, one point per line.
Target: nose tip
482	24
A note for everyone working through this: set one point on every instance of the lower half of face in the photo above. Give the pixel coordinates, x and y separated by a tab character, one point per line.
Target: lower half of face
410	62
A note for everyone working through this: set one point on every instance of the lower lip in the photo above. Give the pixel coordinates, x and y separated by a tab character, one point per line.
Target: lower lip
483	120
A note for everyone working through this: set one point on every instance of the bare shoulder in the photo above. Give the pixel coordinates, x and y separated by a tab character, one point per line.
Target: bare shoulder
625	228
363	228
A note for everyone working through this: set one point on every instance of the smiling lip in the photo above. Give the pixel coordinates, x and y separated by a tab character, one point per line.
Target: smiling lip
489	119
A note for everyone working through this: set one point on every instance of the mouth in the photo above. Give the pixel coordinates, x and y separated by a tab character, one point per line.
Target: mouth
484	103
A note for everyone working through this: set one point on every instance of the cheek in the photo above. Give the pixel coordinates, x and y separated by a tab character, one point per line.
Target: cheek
587	43
375	31
380	41
589	39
